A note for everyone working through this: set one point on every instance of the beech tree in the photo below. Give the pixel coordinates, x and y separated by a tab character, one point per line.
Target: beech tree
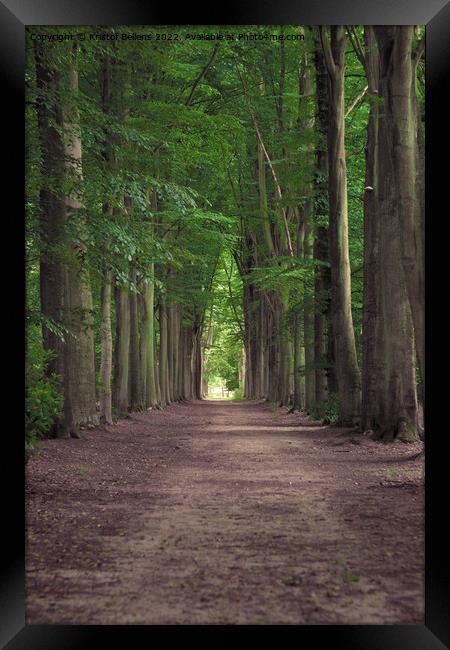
347	370
323	339
372	334
79	363
65	288
51	211
399	60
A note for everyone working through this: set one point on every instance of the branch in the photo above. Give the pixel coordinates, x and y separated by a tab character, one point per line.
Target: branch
277	186
192	93
356	100
420	49
202	74
327	53
238	320
356	44
233	189
273	172
271	305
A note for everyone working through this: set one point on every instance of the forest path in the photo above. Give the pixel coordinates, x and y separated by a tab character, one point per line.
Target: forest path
224	512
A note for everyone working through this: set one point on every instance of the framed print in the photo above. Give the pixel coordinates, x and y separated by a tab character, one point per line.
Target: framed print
223	278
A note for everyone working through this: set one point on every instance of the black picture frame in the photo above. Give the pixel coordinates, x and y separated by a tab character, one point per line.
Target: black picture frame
15	15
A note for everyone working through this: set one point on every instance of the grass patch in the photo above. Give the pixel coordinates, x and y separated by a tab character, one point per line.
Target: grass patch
31	449
79	469
399	474
292	581
327	411
408	434
238	395
263	619
349	577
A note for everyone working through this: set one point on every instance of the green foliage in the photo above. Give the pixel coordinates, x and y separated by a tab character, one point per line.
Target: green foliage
327	411
223	351
238	394
43	402
79	469
348	577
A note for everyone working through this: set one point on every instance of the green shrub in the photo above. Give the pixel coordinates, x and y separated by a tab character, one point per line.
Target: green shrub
328	410
43	402
238	393
232	383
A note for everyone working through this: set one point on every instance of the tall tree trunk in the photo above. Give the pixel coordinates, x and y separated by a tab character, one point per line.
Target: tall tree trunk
299	341
106	86
170	349
262	346
106	351
274	348
307	213
187	384
309	336
371	324
134	364
182	356
322	274
398	90
420	220
163	361
181	353
197	363
247	343
79	362
347	371
65	290
176	352
121	351
299	364
152	398
396	394
51	213
157	370
284	395
143	344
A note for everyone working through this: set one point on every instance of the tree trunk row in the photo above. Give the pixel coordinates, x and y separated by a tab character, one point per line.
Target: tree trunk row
141	366
303	359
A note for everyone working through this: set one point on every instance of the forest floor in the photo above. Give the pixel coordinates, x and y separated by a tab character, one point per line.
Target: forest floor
224	512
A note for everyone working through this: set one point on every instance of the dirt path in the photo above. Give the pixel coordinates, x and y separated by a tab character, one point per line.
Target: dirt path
224	512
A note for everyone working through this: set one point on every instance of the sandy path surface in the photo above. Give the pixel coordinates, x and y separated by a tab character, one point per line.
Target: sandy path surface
224	512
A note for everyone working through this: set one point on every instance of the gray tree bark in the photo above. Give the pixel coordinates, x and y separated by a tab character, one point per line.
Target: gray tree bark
51	215
347	371
79	355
